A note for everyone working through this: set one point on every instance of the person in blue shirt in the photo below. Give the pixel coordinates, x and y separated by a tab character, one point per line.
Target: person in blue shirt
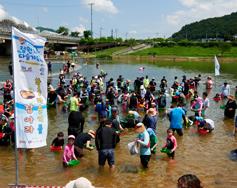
143	139
176	117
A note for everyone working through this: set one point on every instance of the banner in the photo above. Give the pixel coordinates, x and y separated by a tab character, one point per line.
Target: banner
217	66
30	89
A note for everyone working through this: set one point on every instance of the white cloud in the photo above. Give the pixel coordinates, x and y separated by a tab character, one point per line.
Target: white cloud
195	10
5	15
102	5
81	28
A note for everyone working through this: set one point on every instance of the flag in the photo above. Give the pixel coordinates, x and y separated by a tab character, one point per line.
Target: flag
30	89
217	66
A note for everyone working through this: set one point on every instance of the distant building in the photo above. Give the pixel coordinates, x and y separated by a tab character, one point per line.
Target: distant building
204	40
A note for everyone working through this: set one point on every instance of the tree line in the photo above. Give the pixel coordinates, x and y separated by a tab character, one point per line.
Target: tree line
224	27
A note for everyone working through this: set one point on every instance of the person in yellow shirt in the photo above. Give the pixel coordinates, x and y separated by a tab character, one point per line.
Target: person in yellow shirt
74	102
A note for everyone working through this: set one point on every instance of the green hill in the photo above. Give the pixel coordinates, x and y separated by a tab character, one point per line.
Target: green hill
220	27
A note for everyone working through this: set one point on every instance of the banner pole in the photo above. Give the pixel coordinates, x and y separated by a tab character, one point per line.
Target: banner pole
14	96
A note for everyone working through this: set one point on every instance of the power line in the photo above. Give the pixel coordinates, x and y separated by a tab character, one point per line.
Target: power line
40	5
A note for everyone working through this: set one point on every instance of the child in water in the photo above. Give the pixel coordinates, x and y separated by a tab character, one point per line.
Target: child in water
59	140
68	153
171	144
217	97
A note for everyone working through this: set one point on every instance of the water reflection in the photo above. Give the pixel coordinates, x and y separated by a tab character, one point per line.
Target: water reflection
205	156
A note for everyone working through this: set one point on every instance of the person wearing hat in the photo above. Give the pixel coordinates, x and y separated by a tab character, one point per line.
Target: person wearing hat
68	153
105	141
225	90
143	139
83	139
206	126
142	91
80	183
230	107
150	119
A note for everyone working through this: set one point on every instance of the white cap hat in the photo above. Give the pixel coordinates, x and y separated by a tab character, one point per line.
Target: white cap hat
80	183
71	137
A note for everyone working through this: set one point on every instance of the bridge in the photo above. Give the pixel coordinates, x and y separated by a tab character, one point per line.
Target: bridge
51	38
60	42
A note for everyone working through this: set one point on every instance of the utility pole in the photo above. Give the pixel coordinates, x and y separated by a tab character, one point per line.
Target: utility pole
101	28
126	35
91	4
116	33
112	33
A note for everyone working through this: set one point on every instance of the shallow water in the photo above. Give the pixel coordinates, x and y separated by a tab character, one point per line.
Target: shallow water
205	156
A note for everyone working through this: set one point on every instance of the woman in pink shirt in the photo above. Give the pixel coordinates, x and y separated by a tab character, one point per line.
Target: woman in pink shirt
68	153
171	143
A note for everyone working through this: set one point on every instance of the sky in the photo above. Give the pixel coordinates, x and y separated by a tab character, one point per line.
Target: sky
138	19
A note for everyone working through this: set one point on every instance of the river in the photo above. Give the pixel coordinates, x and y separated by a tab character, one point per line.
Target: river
206	156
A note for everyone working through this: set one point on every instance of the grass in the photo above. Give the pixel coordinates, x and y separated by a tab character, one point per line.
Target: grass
108	52
186	51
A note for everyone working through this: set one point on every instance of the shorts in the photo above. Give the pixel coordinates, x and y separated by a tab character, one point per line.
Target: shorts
171	155
106	154
179	131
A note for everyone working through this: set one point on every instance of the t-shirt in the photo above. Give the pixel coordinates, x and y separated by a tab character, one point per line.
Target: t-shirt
230	105
206	103
81	139
176	117
58	142
144	141
105	138
74	104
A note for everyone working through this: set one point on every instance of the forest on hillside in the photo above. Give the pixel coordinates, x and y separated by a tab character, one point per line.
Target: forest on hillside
220	27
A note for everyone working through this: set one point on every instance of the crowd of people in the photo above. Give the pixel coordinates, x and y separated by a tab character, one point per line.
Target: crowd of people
142	96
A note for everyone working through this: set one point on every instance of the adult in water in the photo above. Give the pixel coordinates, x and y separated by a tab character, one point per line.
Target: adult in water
230	107
76	123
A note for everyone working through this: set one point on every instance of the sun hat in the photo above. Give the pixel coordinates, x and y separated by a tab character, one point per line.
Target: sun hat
142	87
151	111
71	137
80	183
139	125
231	97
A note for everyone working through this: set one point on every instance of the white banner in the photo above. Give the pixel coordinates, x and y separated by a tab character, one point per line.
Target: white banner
217	66
30	81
